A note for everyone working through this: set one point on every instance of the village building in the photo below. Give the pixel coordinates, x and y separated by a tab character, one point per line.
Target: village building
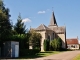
52	31
72	43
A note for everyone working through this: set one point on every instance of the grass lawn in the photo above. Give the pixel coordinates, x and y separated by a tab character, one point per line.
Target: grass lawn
41	54
77	57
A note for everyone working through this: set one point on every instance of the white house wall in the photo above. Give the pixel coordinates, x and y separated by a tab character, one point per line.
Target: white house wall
70	46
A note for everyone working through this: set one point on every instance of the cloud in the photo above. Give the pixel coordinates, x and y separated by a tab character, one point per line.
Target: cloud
26	20
48	10
41	12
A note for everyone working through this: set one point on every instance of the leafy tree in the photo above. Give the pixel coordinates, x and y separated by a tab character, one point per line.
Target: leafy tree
56	44
5	25
46	45
19	26
59	40
35	39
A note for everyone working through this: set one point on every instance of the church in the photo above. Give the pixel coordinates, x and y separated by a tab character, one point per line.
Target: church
52	31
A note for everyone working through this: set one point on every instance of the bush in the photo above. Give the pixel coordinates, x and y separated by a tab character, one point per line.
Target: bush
25	52
56	44
46	45
22	39
35	39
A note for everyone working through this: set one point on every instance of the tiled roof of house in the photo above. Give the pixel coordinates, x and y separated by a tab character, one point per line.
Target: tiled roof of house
42	27
72	41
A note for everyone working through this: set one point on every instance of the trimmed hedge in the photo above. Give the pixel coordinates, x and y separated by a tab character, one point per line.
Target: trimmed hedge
25	52
22	39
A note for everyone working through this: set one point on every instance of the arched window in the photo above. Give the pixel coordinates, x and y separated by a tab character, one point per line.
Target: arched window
49	37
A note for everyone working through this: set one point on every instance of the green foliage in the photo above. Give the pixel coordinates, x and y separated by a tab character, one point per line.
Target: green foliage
59	43
46	45
25	52
53	44
5	25
22	39
35	39
19	26
76	57
56	44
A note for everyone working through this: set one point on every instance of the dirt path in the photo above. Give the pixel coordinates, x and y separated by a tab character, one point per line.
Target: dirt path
69	55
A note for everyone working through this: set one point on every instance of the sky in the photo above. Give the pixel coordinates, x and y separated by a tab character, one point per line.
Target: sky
36	12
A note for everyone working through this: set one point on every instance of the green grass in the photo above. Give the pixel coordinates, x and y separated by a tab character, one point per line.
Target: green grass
41	54
77	57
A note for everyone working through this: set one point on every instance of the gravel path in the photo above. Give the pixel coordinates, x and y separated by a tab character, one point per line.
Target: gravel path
69	55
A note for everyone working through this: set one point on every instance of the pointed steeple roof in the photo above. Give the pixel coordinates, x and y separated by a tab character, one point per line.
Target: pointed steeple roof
53	20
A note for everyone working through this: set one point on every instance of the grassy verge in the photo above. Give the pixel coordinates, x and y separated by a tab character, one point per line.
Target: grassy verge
77	57
41	54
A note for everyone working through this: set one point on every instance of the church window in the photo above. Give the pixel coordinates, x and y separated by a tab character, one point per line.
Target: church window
48	37
53	36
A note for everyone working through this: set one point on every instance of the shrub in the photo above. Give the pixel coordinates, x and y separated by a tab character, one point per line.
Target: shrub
22	39
56	44
35	39
46	45
25	52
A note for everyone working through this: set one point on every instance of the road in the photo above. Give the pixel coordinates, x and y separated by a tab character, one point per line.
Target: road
68	55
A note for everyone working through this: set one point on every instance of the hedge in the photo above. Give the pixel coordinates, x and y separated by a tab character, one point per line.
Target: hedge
25	52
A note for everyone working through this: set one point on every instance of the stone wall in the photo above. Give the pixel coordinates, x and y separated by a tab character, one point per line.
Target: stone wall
42	40
63	37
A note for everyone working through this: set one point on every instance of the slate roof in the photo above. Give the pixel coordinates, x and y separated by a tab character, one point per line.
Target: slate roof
53	20
42	27
59	29
72	41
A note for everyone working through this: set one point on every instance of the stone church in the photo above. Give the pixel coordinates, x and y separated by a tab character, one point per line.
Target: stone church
52	31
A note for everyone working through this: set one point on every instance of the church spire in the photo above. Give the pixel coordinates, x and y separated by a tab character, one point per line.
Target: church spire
53	20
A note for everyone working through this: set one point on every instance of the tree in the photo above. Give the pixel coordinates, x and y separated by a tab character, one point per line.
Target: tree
35	39
56	44
46	45
59	43
5	25
19	26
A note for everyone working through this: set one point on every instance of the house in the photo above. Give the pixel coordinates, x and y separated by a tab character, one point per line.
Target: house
52	31
72	43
